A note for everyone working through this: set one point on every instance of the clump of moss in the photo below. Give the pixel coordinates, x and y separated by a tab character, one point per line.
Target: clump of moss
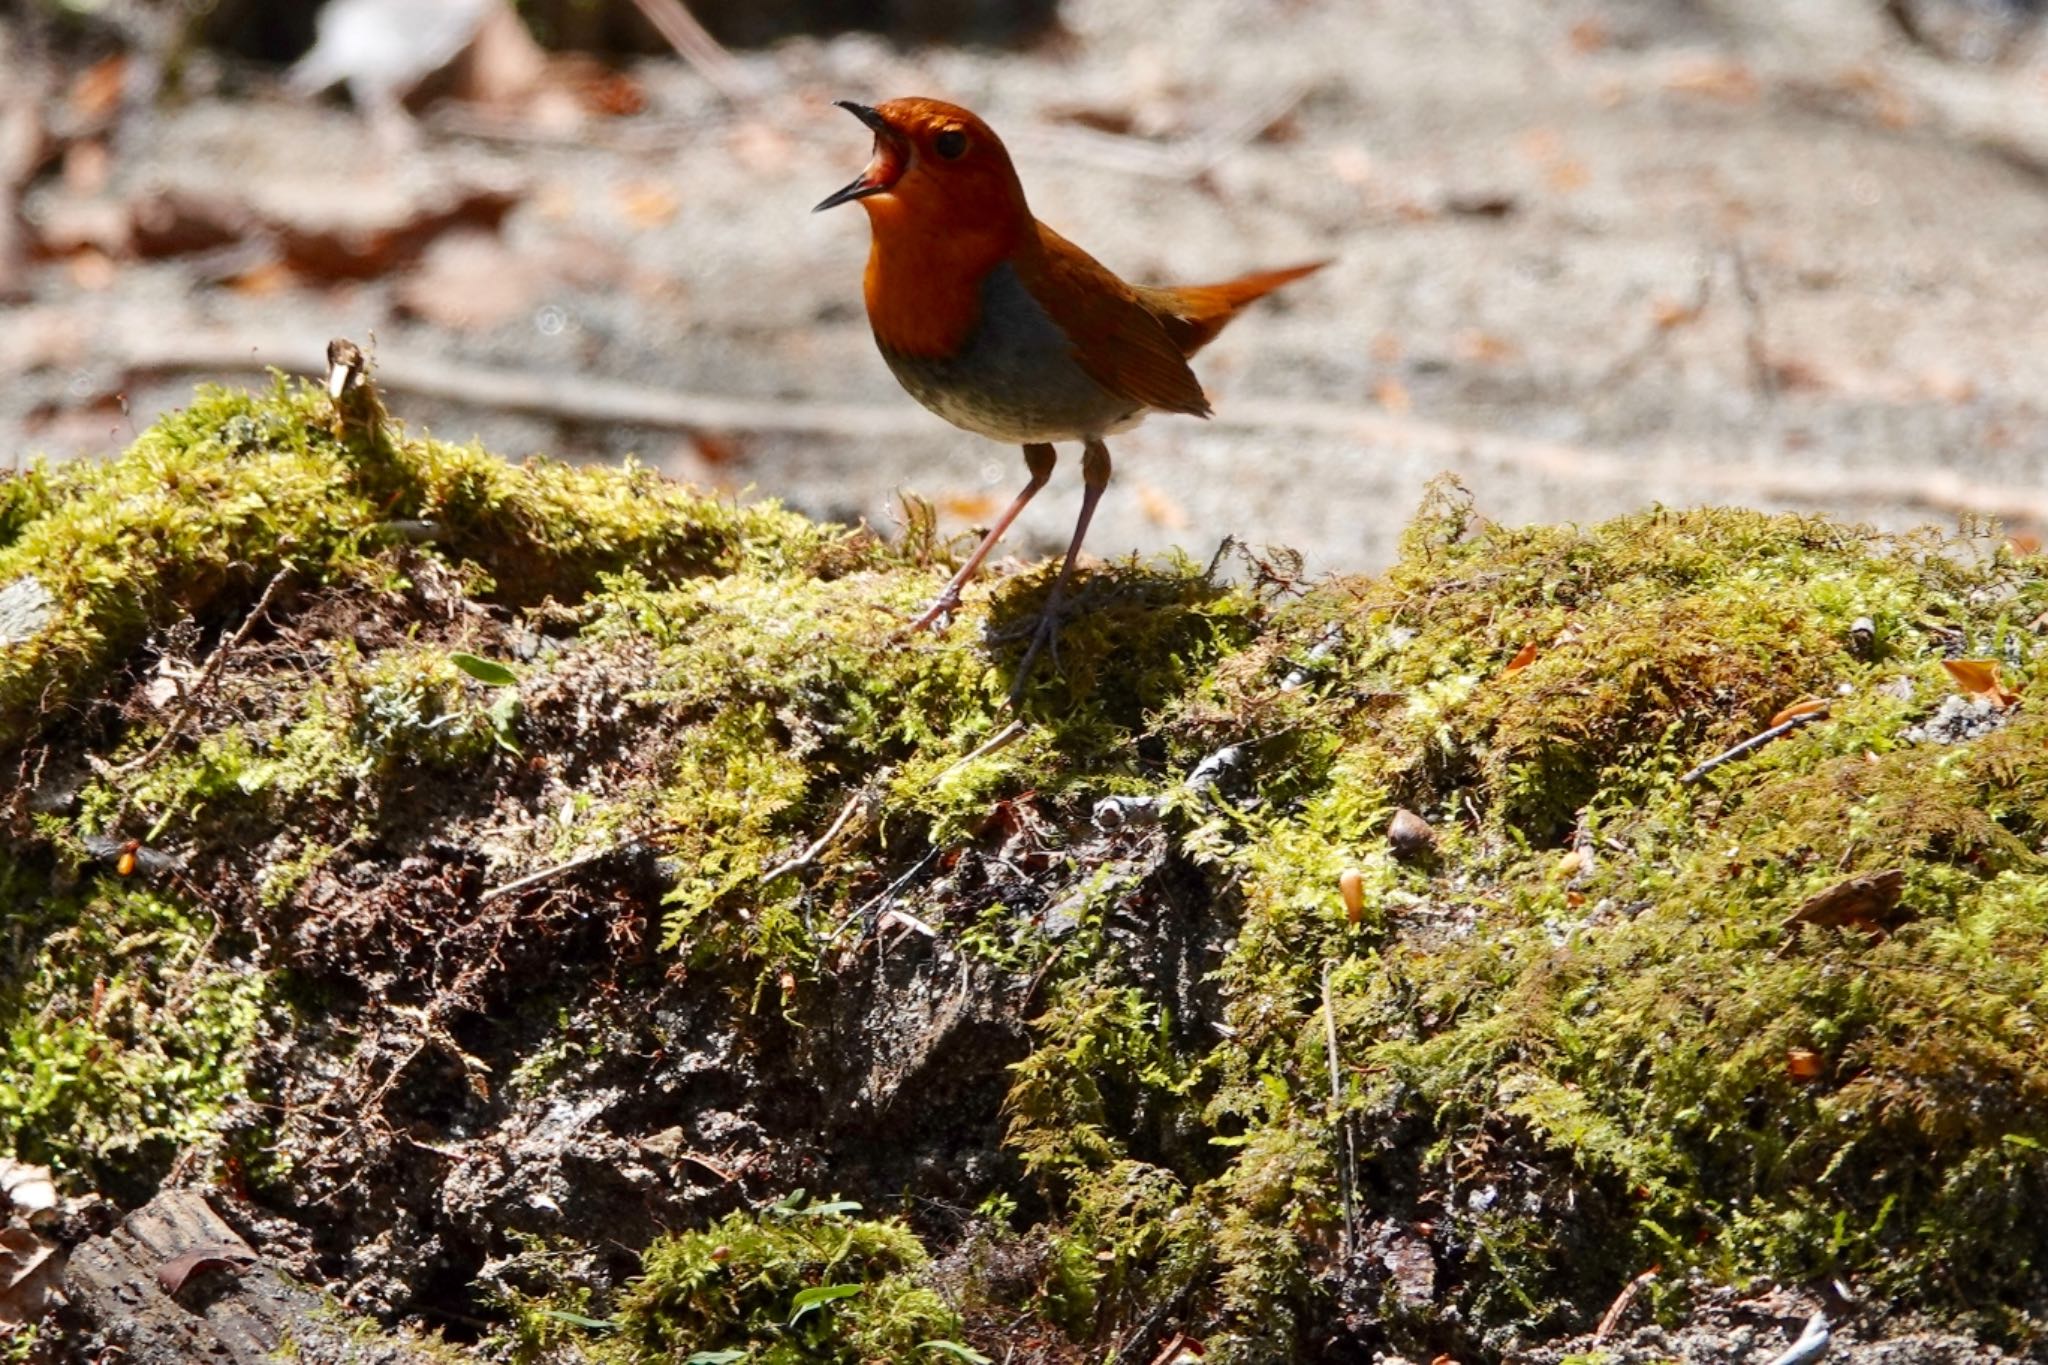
802	1282
126	1040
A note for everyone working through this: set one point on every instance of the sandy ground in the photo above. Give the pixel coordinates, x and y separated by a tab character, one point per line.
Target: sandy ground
1588	256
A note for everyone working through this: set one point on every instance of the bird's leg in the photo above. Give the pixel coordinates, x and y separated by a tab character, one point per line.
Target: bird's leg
1039	460
1094	478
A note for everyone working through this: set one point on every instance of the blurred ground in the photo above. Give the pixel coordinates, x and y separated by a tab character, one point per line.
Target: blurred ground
1589	255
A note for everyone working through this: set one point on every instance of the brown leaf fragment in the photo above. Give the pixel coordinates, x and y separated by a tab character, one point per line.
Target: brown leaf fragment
1979	678
1524	656
176	223
173	1275
1869	902
30	1269
1806	706
26	1189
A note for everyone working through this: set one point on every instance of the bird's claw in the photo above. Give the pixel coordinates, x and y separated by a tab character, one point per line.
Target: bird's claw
937	614
1047	638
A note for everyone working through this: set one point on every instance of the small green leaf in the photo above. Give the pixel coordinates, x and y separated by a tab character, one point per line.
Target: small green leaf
578	1320
714	1358
957	1351
787	1204
818	1295
483	670
828	1210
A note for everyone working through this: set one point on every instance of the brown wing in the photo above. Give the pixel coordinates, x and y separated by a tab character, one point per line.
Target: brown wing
1116	338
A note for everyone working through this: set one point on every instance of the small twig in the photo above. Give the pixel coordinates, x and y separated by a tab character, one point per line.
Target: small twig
860	797
1750	745
1189	158
988	746
887	893
1761	375
1337	1111
1621	1302
695	45
583	859
582	398
208	676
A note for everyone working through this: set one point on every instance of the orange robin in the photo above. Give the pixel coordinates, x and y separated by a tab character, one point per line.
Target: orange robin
1005	328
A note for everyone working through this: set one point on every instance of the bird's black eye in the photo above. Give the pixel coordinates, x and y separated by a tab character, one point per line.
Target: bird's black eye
951	144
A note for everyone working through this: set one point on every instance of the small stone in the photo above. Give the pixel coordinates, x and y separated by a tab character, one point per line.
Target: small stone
1410	835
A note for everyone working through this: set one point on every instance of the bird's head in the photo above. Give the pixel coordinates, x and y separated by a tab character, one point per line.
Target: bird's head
935	162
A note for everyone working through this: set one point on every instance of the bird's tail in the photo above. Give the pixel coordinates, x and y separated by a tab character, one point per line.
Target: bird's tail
1193	314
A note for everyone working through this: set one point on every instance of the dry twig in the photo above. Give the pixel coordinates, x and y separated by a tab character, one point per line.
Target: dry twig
1749	746
1621	1302
1343	1119
577	398
695	45
208	676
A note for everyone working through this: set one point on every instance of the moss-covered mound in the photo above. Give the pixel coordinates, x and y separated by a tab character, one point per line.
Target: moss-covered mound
512	885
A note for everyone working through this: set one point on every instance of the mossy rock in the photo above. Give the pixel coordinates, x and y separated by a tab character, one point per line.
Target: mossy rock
527	771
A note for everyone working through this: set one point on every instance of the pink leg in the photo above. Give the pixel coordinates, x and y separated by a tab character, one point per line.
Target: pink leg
1039	460
1095	478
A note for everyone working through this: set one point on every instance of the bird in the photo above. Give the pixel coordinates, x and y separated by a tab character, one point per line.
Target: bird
1006	329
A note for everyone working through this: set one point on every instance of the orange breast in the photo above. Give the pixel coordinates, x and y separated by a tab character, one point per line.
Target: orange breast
925	277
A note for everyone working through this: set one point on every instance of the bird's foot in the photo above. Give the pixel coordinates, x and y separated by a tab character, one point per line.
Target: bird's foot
937	614
1046	637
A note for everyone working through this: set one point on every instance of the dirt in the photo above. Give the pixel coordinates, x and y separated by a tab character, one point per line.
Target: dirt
1588	256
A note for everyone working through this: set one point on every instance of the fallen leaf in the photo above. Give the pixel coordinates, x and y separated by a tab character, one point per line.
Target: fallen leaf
1161	508
1806	706
173	1275
30	1270
28	1189
92	270
1979	678
968	507
261	281
646	204
1568	175
470	281
1802	1064
1587	36
1668	313
1524	656
1869	902
96	92
1483	347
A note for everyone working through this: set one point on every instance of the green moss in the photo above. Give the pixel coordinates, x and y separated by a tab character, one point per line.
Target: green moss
125	1037
1566	1038
800	1283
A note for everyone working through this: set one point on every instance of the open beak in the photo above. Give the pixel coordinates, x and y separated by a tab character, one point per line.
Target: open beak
892	153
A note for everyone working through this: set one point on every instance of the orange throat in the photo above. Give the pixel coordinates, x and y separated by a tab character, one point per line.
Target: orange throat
924	276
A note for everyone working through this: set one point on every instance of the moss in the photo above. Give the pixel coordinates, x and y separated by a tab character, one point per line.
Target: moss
1578	1039
805	1282
125	1037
